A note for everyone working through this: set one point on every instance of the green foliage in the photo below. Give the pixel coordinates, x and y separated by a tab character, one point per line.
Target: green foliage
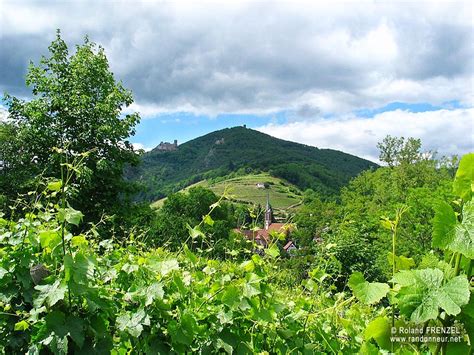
76	106
139	300
463	241
438	293
444	223
180	211
367	292
398	151
133	323
363	241
379	330
454	235
65	292
401	262
463	183
423	293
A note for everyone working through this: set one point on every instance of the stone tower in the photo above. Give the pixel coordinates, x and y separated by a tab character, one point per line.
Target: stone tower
268	213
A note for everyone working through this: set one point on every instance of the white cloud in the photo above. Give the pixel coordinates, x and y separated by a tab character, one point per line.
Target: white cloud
138	146
444	131
257	57
433	90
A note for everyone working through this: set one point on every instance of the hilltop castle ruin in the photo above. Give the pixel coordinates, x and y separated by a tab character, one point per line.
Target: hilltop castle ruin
167	146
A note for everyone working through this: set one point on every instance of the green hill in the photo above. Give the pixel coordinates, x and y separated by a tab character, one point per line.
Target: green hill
245	150
243	189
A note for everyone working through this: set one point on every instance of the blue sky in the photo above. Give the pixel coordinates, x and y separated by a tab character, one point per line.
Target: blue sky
415	107
185	126
339	74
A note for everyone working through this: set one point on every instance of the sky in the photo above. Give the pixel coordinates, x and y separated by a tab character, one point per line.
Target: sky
338	75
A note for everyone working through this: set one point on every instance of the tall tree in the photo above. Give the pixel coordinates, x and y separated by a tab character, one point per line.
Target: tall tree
76	105
398	150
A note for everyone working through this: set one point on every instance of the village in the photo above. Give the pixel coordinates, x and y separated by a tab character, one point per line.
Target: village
263	236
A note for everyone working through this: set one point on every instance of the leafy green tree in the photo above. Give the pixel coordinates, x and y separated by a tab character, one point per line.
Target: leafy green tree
181	211
76	106
398	151
12	171
373	195
314	217
354	223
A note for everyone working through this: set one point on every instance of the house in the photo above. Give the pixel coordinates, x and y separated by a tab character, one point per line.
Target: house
289	247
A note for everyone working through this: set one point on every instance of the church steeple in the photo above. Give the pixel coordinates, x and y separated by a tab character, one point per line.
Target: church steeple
268	213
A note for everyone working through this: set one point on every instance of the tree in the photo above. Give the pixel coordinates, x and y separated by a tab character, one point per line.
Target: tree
353	224
12	171
76	106
181	210
397	150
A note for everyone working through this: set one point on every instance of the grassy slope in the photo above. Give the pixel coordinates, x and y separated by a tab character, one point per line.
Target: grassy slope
243	189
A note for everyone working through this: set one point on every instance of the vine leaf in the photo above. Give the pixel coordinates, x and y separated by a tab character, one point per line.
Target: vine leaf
167	266
463	185
21	326
80	268
55	185
463	241
273	251
190	255
50	294
231	296
133	323
62	326
195	232
422	294
379	330
367	292
146	295
450	234
3	272
401	262
154	291
49	239
444	223
208	220
70	215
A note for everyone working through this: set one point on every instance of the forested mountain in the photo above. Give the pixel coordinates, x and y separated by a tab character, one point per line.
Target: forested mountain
222	152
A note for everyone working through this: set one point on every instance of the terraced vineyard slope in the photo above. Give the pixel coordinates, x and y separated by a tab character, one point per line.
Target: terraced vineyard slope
252	189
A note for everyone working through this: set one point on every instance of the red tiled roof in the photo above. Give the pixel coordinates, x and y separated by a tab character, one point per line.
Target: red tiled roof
276	227
262	234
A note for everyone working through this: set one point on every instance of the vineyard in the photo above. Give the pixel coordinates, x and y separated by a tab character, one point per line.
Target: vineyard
63	292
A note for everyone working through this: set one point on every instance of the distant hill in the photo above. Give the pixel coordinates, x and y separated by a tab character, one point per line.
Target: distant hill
247	151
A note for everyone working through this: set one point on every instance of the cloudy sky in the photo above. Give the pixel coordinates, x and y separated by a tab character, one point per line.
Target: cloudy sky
340	75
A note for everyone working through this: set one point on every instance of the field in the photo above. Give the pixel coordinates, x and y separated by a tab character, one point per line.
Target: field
283	196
